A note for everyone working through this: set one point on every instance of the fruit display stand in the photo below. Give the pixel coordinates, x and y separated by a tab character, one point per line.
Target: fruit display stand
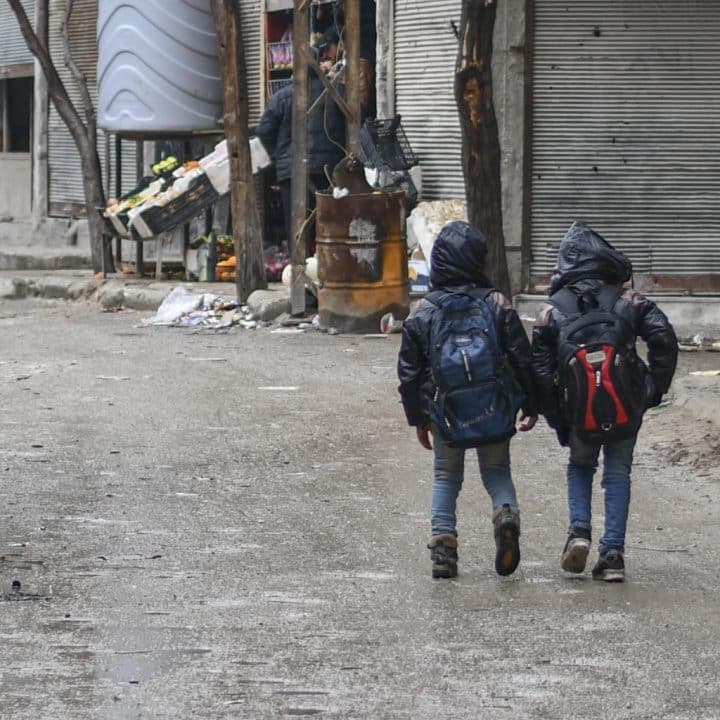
170	198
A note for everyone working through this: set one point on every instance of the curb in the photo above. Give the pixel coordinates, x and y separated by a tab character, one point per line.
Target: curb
109	293
28	262
118	292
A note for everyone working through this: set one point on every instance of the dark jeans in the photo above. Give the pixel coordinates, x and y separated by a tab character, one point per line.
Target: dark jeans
316	182
494	463
617	460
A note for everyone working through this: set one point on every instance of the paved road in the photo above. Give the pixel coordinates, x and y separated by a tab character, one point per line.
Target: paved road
194	541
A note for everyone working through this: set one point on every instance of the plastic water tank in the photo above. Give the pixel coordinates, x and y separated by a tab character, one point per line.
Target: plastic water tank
157	66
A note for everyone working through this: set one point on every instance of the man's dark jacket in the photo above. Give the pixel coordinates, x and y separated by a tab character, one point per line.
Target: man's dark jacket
275	131
586	262
457	261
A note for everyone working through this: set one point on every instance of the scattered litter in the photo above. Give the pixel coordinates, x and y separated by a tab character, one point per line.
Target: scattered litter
698	342
112	377
287	331
280	388
706	373
390	324
375	336
182	308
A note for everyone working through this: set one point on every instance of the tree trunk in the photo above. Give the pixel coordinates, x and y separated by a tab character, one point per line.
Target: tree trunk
100	240
480	140
250	271
84	135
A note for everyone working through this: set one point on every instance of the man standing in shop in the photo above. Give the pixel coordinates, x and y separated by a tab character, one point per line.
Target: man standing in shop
326	142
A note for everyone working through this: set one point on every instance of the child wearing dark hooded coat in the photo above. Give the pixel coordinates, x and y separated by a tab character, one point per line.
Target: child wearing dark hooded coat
457	263
586	265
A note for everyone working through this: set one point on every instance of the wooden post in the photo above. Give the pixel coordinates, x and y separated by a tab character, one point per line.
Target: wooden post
384	72
351	39
250	272
299	181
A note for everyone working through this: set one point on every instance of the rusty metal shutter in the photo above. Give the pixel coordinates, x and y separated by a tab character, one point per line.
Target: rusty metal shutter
65	175
425	51
13	50
626	130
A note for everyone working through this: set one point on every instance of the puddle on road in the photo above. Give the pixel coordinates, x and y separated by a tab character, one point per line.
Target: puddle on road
132	666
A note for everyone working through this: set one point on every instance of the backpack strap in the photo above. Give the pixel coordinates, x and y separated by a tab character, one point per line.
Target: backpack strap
566	301
608	295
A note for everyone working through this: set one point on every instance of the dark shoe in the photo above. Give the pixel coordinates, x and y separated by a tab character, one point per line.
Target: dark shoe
610	567
575	552
443	553
507	533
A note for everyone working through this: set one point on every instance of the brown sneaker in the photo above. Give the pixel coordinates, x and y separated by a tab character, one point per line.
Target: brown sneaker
507	533
443	553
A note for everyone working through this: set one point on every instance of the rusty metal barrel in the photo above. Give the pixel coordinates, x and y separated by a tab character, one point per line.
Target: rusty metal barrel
361	248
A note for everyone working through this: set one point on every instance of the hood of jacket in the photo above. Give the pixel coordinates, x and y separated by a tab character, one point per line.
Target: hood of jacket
458	257
585	255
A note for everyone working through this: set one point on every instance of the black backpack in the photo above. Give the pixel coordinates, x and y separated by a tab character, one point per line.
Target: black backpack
601	379
477	397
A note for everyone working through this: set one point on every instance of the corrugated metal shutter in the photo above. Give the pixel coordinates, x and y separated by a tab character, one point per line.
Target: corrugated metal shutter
13	49
65	174
251	24
425	54
626	131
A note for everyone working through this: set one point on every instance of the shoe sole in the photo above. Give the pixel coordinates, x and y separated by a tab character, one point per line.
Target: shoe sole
443	572
508	551
611	576
575	557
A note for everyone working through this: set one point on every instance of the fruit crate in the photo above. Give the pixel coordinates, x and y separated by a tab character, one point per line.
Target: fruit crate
117	224
163	218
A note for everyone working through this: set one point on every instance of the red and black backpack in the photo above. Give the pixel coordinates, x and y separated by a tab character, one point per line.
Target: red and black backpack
600	376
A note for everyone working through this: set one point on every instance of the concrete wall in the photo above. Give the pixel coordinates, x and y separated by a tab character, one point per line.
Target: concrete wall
509	98
15	186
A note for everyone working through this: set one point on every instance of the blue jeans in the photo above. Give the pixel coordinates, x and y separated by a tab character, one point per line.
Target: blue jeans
617	458
494	461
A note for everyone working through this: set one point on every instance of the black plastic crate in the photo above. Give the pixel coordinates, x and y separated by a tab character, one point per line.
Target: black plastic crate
163	218
385	146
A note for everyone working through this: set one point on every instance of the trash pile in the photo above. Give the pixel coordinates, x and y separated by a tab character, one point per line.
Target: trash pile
182	308
697	343
423	225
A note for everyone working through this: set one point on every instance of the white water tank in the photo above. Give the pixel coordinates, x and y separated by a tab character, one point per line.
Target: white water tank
158	66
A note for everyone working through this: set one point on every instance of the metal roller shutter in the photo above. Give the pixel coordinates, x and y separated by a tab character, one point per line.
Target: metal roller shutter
13	50
425	53
251	24
626	130
65	174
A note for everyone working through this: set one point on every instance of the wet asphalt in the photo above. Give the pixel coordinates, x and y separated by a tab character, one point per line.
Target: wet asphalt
201	525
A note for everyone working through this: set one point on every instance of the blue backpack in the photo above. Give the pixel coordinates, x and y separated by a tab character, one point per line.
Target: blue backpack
477	397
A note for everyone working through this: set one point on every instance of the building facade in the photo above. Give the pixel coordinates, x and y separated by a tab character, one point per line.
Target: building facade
607	112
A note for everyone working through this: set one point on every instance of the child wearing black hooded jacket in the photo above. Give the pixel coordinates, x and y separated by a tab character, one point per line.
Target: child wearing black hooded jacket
457	261
587	263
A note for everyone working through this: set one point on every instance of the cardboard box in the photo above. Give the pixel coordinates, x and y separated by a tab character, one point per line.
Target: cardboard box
418	276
